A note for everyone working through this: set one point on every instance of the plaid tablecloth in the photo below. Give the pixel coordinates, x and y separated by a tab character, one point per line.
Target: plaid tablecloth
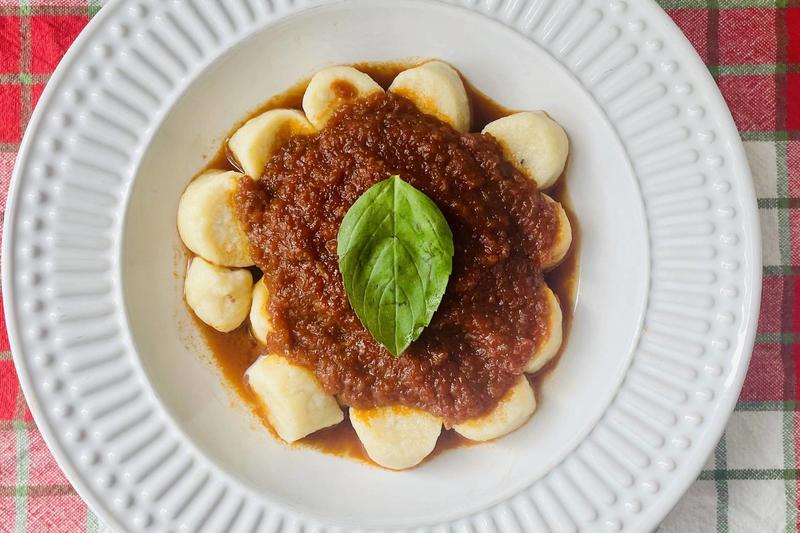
750	483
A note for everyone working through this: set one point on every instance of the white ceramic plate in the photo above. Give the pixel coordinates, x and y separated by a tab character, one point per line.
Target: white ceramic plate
142	423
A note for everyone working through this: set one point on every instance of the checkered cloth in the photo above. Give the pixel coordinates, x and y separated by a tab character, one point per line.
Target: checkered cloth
749	484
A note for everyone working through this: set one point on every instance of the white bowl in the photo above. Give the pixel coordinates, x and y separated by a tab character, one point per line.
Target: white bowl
126	393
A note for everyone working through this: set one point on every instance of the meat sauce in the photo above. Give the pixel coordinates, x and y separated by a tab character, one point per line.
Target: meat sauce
490	318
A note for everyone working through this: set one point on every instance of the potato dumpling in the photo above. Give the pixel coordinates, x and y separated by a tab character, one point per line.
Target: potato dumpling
562	240
260	324
548	346
396	437
330	88
514	409
207	221
436	89
219	296
260	137
295	402
534	143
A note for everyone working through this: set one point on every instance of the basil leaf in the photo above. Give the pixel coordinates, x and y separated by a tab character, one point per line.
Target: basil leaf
395	255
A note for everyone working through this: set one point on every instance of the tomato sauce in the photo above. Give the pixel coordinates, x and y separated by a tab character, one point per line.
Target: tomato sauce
490	318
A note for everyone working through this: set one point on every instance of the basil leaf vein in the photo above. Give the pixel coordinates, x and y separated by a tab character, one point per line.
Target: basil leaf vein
395	254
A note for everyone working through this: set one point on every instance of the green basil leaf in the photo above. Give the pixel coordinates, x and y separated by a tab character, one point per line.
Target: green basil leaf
395	255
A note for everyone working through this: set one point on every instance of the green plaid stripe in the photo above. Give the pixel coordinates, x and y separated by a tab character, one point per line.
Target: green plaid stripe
771	136
744	473
774	405
753	70
56	9
23	469
787	355
23	79
720	462
23	464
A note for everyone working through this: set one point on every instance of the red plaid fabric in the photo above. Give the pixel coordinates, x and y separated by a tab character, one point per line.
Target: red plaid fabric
750	483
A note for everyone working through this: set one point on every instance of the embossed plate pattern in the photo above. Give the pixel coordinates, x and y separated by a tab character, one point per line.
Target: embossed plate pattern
99	389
